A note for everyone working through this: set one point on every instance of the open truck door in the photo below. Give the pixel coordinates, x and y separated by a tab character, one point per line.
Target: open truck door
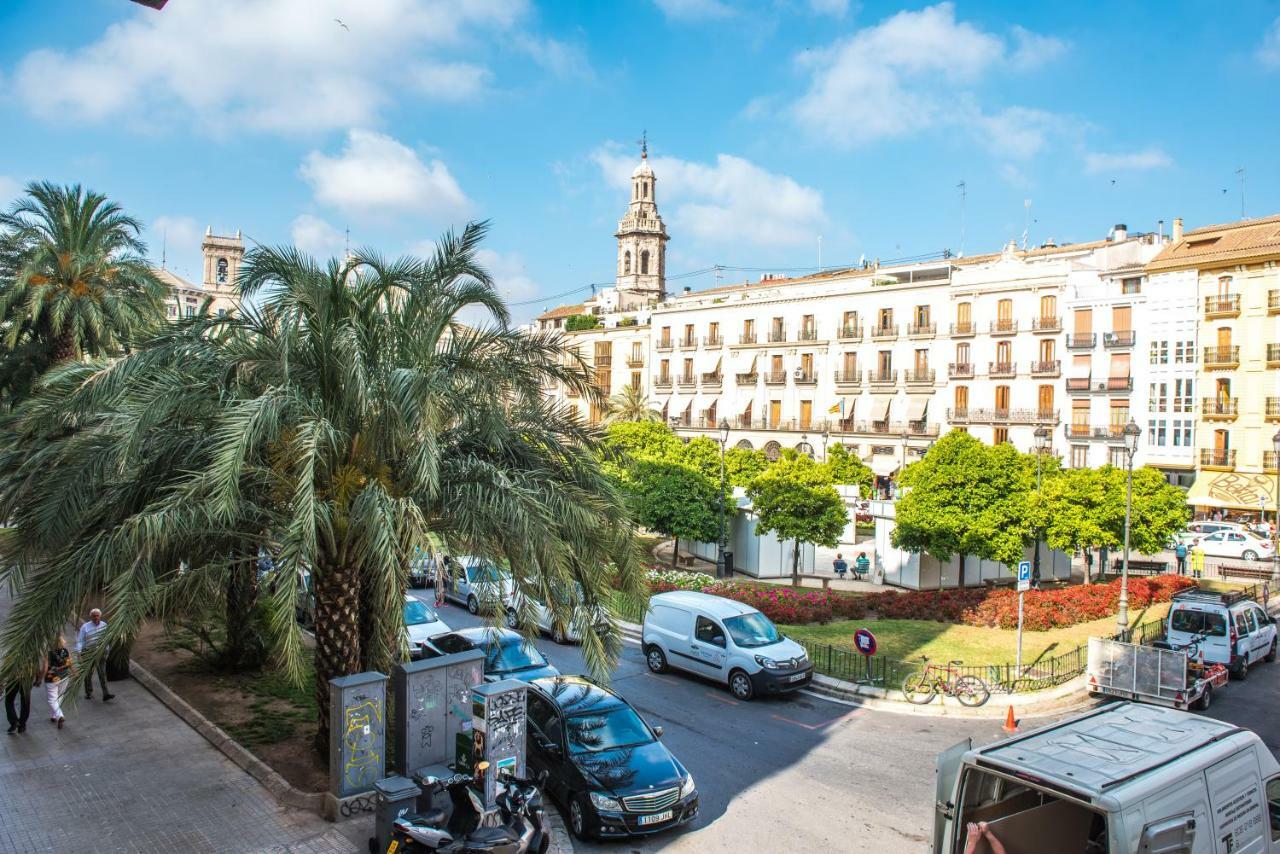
944	811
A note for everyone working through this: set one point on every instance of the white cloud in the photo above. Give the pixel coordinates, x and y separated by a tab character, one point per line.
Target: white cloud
276	65
377	175
317	238
1017	132
1133	161
10	189
909	72
694	10
729	202
1269	50
1033	50
450	81
175	240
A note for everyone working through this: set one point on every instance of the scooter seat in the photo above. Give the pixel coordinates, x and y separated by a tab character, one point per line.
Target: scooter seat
491	836
434	817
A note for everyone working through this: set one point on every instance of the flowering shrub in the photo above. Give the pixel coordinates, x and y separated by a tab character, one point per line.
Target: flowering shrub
1042	609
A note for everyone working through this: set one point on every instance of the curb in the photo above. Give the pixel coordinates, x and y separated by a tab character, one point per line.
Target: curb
1061	698
278	786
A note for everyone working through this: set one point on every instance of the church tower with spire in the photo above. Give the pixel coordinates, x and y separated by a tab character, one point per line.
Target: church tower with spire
642	239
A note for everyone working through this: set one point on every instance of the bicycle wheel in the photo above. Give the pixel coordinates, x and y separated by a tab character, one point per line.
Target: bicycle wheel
918	688
971	691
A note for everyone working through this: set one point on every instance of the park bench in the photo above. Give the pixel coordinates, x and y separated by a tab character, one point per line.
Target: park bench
825	579
1254	571
1141	567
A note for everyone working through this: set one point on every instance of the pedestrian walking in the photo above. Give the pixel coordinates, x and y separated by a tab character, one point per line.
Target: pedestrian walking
1180	552
86	643
840	565
861	566
17	700
56	675
441	579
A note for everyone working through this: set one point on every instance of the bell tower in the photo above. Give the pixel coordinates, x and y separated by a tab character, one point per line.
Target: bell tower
222	257
642	239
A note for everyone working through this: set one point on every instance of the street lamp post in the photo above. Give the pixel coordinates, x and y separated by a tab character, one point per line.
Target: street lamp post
1042	444
826	434
1275	529
1132	432
721	544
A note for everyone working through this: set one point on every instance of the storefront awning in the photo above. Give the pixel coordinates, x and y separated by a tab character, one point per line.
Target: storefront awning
880	404
916	406
883	466
1233	490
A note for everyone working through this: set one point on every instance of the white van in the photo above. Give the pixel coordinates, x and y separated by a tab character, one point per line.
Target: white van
1229	628
1121	779
724	640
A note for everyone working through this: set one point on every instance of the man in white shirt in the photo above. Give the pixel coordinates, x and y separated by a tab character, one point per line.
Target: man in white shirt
86	640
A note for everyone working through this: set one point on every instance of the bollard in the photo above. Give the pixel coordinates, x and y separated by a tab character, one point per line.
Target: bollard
396	796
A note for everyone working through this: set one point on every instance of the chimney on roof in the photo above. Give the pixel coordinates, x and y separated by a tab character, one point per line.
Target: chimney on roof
1049	244
688	290
1119	232
1177	229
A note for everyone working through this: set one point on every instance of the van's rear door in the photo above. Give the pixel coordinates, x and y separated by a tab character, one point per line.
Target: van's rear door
944	809
1240	821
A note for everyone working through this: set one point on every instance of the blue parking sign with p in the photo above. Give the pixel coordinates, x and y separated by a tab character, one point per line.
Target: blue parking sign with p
1024	570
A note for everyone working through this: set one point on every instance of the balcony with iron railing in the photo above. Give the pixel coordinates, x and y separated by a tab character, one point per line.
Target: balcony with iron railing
746	378
803	377
1046	324
686	380
716	340
775	378
1273	301
850	333
1273	355
957	370
884	333
684	419
1049	368
1273	409
920	376
983	415
634	361
712	380
1222	357
963	329
1224	305
689	342
1004	326
1123	338
1270	463
848	378
747	338
922	330
777	336
662	381
895	429
1217	458
1002	370
1082	340
882	377
809	334
1086	433
664	345
1219	409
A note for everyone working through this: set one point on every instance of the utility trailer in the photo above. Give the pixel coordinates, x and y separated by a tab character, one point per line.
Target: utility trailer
1149	674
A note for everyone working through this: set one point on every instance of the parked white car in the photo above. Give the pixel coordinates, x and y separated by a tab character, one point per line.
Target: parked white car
1228	628
1196	530
723	640
421	622
477	583
544	619
1240	545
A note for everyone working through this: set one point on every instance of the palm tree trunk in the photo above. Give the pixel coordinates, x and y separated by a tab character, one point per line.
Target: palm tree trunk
337	637
64	347
241	598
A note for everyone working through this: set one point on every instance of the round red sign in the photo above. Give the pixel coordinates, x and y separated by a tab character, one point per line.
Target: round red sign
865	642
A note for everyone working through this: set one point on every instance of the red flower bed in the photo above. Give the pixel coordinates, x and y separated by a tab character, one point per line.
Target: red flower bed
1042	609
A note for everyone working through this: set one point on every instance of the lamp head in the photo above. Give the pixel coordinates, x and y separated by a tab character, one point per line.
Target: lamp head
1042	437
724	431
1132	433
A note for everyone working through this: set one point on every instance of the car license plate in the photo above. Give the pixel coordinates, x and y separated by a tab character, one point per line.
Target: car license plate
656	818
797	677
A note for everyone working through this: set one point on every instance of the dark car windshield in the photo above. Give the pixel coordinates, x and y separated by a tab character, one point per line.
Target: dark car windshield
509	655
1210	623
416	613
752	630
608	730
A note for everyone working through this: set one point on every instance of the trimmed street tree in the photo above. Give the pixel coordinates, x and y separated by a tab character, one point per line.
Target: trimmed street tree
965	498
743	465
672	499
847	470
794	499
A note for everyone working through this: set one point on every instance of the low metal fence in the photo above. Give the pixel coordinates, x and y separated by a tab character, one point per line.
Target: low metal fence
884	672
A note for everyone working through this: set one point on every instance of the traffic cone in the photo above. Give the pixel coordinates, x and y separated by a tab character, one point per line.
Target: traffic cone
1010	723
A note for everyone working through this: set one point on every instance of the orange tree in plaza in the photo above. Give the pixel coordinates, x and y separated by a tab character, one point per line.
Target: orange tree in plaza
343	421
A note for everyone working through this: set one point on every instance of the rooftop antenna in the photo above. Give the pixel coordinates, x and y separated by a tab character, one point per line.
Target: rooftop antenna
819	253
1240	172
1026	222
164	247
718	268
963	188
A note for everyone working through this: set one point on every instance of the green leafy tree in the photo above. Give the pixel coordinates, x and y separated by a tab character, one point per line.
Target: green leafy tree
577	322
673	499
847	469
631	404
641	440
795	500
1075	511
743	465
965	498
73	281
702	453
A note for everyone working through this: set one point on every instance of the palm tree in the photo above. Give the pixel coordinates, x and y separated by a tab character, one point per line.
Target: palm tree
342	419
73	280
631	404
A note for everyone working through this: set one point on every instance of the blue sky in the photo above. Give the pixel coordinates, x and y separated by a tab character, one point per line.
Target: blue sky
771	122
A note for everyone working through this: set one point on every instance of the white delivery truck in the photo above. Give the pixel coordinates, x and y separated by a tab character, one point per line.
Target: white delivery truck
1122	779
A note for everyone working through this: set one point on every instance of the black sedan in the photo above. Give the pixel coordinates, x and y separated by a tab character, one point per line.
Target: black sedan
605	765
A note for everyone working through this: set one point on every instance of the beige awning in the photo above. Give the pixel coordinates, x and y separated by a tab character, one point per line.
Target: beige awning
883	466
880	404
1081	366
916	406
1233	490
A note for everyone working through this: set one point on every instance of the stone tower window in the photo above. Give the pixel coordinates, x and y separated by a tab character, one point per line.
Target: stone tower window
644	262
222	271
626	263
644	190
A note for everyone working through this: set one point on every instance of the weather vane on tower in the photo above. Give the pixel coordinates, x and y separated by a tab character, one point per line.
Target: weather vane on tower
644	145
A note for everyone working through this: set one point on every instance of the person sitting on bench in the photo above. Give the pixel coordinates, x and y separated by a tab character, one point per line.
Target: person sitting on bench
861	566
840	565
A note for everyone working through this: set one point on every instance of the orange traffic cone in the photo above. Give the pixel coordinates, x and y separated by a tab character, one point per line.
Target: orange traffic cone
1010	723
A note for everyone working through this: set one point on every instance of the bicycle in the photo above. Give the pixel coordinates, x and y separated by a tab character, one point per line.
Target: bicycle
922	686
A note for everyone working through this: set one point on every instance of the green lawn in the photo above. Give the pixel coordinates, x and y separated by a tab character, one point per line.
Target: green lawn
909	639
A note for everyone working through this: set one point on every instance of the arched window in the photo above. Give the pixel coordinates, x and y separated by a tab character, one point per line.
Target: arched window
644	262
772	450
626	263
644	190
744	444
222	271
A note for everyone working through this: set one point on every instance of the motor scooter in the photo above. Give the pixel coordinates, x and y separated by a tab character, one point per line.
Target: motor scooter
515	826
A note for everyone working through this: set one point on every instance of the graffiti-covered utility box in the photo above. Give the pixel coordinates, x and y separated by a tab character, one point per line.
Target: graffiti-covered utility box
498	718
357	732
433	705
